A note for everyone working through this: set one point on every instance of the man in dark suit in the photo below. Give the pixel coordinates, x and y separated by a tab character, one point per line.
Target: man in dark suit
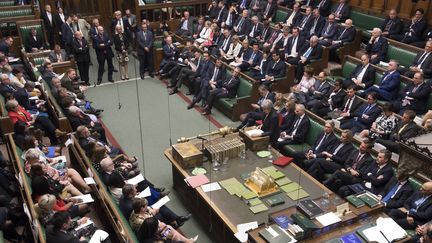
332	160
251	58
377	46
319	91
296	42
228	89
255	7
231	17
275	69
59	19
266	32
345	35
362	77
33	42
221	14
324	142
223	44
22	96
250	118
349	106
375	178
297	133
389	84
170	52
243	23
364	116
80	48
353	169
243	4
404	130
324	7
413	30
342	11
6	85
186	25
270	125
5	46
48	20
317	24
335	100
427	36
414	96
104	53
145	50
392	25
329	30
422	62
294	16
396	192
67	35
306	23
417	210
306	55
269	8
59	230
256	29
124	23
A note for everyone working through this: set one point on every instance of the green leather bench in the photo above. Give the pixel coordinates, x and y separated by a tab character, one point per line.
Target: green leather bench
280	16
347	68
403	56
233	107
365	22
25	31
315	129
7	3
15	13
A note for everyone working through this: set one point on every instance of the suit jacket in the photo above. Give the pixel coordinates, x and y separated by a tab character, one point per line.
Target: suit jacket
346	35
6	89
4	48
368	77
378	48
320	22
53	56
410	130
424	211
58	20
49	25
342	154
170	53
420	97
221	75
30	43
306	23
132	23
224	39
372	112
288	119
277	70
326	145
257	31
67	33
231	84
105	51
296	19
302	129
22	97
121	44
245	25
22	2
270	126
314	55
344	12
189	24
53	235
417	28
266	33
378	184
256	60
81	52
426	65
323	89
354	106
324	7
329	31
221	15
396	26
299	46
390	84
337	99
126	26
142	43
272	9
362	165
399	199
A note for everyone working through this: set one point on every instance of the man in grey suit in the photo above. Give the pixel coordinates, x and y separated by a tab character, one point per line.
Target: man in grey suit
186	25
145	50
58	54
131	18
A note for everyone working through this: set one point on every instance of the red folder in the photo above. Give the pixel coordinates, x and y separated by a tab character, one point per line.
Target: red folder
283	161
198	180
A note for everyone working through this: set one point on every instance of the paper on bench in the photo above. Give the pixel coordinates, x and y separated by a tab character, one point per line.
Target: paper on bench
161	202
86	198
99	236
89	181
137	179
254	132
211	187
145	193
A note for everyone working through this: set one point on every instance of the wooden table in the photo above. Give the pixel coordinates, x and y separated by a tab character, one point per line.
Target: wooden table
219	212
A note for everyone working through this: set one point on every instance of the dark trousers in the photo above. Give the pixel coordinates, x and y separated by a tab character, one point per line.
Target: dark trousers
146	63
173	73
168	66
321	166
299	71
400	218
83	68
251	118
185	74
340	178
50	36
280	145
389	144
202	90
215	95
166	215
320	109
101	62
45	124
299	158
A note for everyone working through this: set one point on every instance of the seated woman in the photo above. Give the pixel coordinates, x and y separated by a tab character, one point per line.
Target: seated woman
152	230
127	168
233	50
302	89
279	103
383	126
63	175
46	152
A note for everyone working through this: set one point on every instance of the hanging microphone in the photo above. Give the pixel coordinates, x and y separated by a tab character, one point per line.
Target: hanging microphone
119	105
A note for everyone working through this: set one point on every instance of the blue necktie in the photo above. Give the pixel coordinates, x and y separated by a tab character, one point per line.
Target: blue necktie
367	109
308	52
390	193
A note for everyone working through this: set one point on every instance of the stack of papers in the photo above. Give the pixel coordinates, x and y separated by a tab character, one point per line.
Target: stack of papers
196	181
391	230
160	203
328	219
293	186
283	181
86	198
258	208
273	172
99	236
233	186
211	187
137	179
254	132
241	234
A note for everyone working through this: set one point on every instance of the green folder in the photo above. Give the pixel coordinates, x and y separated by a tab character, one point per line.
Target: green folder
249	195
268	170
291	187
297	194
258	208
276	174
356	202
369	200
254	202
283	181
274	200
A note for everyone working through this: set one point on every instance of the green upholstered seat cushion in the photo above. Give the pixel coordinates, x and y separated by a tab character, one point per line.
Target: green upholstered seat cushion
347	68
25	30
7	3
365	21
415	184
15	13
280	16
403	56
157	44
243	90
291	148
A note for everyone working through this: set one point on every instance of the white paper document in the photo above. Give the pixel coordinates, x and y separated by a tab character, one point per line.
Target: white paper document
390	229
328	219
374	234
99	236
89	181
254	132
145	193
241	235
211	187
137	179
86	198
160	203
68	142
88	222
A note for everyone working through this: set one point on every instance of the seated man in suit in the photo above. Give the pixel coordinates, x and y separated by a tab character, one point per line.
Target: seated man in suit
396	192
227	89
414	96
58	54
329	30
389	85
375	177
364	116
324	142
251	58
276	68
309	53
170	52
259	71
186	25
345	35
392	25
332	160
405	130
317	25
33	42
422	62
417	209
363	76
249	119
6	85
413	30
334	101
342	11
60	231
353	169
377	46
243	23
270	122
319	91
324	7
269	8
296	42
294	16
306	22
349	105
5	46
297	133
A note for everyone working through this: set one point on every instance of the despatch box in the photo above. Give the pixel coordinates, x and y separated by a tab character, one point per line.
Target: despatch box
187	154
254	143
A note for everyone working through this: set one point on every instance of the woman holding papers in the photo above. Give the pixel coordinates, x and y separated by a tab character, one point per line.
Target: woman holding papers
127	167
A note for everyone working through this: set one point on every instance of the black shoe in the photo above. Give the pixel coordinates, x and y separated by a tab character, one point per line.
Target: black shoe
182	219
111	81
190	106
173	91
170	85
115	70
87	83
142	77
99	82
151	75
99	110
159	189
206	112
